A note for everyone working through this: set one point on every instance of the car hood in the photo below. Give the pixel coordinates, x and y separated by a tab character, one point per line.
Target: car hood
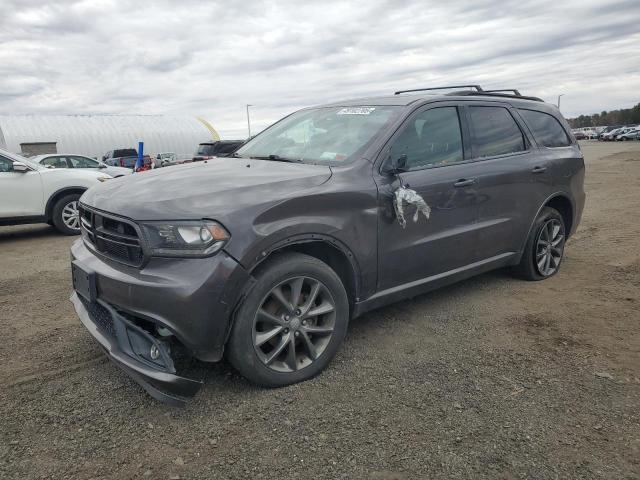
218	188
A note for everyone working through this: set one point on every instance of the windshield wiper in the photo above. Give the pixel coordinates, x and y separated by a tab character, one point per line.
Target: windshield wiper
277	158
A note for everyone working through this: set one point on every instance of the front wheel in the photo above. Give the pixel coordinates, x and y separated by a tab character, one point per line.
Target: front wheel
292	322
65	215
544	250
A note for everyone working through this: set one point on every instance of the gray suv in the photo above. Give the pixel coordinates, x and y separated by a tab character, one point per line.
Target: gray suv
331	212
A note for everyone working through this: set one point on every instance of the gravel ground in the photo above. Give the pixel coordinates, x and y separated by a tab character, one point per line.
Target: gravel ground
491	378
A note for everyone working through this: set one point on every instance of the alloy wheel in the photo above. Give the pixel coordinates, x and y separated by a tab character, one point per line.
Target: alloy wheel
70	216
294	324
549	247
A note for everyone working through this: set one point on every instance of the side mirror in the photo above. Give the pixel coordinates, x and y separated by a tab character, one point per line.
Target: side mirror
395	165
102	165
20	167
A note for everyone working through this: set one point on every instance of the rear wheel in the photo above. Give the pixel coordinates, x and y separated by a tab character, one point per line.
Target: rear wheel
291	324
65	215
544	250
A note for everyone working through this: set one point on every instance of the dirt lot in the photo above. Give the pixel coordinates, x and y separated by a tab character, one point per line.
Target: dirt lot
492	378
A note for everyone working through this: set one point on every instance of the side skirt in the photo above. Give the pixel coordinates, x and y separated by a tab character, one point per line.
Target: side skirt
424	285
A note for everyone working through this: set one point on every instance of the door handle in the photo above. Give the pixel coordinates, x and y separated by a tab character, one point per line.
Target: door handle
538	169
464	182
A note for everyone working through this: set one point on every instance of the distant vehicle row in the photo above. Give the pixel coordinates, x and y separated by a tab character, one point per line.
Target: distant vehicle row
127	157
621	134
608	133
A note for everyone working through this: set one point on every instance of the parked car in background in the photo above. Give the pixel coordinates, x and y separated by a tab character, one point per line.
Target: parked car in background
165	159
33	193
631	134
333	211
591	134
125	157
79	161
579	134
611	134
622	131
219	148
606	130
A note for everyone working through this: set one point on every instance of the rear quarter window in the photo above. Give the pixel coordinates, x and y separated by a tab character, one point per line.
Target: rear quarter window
545	128
495	132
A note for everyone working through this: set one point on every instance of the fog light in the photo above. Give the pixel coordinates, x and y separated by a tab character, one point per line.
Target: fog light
154	353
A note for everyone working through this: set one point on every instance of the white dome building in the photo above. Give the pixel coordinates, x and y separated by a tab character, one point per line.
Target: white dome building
93	135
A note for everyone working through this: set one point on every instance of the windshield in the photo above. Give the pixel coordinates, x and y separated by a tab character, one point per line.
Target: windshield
333	135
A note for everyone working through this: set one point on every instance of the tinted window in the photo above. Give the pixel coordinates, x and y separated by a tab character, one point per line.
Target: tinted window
433	137
55	162
6	165
228	147
495	132
545	128
207	149
83	162
125	152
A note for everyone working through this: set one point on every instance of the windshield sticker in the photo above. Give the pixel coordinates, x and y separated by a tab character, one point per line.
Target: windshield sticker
356	111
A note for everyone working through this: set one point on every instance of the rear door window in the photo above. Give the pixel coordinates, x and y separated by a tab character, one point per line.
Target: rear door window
55	162
495	132
546	128
82	162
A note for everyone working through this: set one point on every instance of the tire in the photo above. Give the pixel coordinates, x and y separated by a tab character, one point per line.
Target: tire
261	313
61	215
548	224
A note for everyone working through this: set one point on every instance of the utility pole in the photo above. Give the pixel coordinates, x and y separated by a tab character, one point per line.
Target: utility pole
248	121
562	94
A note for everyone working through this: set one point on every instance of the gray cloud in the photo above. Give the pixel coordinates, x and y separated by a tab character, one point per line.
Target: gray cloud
212	58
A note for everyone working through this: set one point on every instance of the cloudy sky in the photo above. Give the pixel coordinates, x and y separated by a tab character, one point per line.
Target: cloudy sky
211	58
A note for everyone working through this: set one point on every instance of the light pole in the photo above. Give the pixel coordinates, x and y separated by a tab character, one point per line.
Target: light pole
249	121
561	95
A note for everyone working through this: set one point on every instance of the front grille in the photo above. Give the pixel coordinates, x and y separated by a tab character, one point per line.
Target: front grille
113	237
100	316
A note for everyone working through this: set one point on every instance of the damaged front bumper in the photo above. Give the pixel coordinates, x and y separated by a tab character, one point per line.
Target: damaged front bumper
141	355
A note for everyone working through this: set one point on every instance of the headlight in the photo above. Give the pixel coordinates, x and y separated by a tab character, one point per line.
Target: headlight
185	239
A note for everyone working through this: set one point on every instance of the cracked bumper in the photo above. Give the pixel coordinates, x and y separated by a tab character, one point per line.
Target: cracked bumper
125	344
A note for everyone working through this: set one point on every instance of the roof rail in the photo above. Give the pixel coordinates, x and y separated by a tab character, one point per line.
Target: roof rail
494	93
503	90
477	87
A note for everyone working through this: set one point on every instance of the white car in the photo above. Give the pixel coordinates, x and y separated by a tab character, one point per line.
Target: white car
591	134
165	159
32	193
58	160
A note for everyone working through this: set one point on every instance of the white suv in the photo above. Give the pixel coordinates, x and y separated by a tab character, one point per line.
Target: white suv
32	193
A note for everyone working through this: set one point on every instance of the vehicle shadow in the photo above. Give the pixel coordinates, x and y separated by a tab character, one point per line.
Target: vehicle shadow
23	232
371	324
